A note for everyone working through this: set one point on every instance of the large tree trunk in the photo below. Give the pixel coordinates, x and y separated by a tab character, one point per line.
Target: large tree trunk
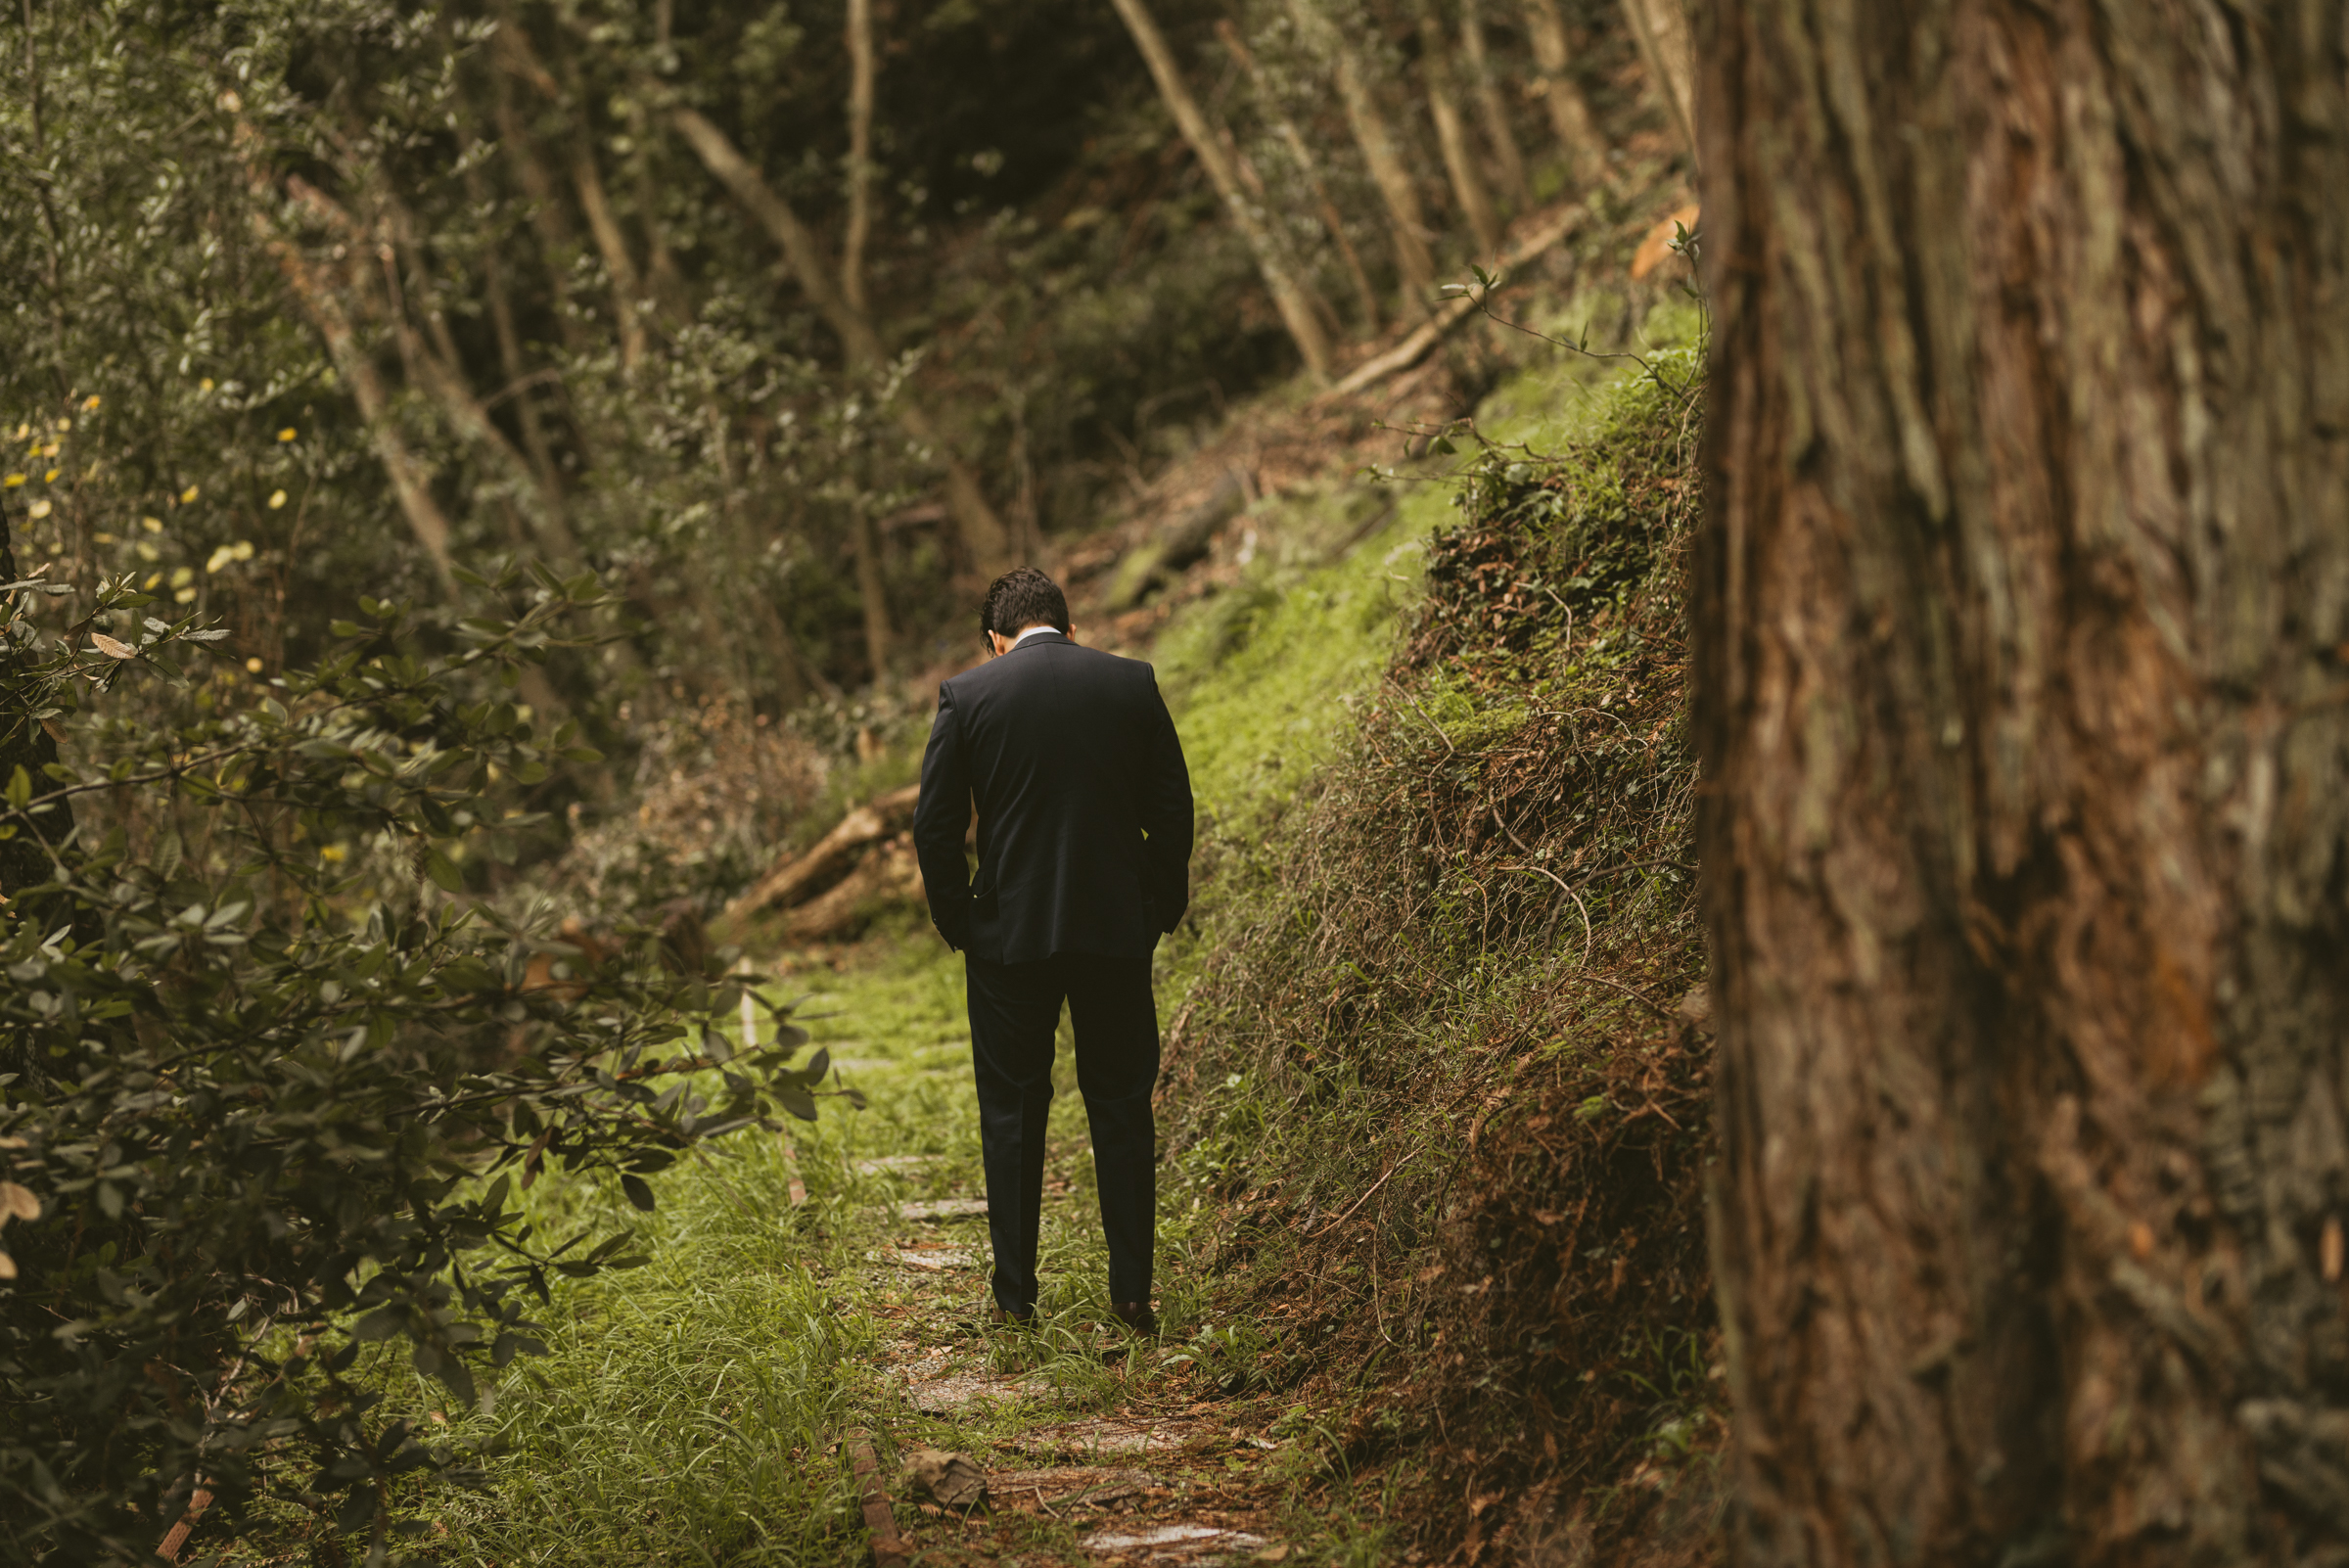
2023	613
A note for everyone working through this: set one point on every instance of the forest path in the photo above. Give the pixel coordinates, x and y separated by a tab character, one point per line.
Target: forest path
1091	1446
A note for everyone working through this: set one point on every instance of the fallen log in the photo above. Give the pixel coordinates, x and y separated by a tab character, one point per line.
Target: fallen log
886	875
1450	314
834	857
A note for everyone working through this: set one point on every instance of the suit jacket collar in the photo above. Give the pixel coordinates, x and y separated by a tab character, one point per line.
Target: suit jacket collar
1039	638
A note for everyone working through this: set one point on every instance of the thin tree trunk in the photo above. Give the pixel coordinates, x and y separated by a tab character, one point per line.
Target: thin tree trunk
410	483
982	530
2020	609
626	287
510	363
860	153
1452	130
1563	98
25	743
872	593
1490	107
1661	30
1332	219
1290	295
1407	223
539	187
587	182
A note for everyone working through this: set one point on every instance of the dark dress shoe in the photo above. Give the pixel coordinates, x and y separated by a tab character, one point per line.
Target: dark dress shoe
1137	1318
1001	1316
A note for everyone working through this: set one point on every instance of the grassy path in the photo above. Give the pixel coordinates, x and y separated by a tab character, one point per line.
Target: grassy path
691	1410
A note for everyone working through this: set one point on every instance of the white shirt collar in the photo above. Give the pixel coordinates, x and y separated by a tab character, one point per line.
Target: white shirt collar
1034	631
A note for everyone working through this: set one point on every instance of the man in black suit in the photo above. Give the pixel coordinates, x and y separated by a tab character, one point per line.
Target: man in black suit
1085	848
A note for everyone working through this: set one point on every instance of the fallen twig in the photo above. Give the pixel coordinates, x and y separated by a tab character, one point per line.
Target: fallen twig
1365	1197
889	1547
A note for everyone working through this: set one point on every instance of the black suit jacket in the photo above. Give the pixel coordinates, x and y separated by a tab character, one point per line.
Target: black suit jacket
1085	805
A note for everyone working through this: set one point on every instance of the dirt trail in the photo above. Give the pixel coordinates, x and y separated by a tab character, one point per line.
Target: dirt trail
1092	1445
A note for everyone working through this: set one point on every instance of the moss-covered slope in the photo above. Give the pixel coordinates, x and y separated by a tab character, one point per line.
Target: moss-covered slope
1437	1071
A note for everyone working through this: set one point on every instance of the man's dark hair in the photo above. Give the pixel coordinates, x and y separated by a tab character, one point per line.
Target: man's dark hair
1024	597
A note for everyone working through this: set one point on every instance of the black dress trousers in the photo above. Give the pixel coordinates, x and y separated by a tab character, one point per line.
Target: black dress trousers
1015	1013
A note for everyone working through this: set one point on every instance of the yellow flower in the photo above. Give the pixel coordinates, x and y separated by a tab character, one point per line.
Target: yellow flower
241	550
183	576
101	539
24	430
153	577
153	524
91	402
286	435
38	510
253	665
184	596
49	477
13	480
205	384
50	450
188	494
219	558
277	498
146	551
331	853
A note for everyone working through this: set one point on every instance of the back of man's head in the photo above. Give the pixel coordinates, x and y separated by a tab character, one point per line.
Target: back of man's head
1021	598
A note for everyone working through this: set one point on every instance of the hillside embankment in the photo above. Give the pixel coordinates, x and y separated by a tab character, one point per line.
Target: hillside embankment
1439	1065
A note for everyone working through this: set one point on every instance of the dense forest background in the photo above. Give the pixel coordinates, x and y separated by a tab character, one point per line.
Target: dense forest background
491	479
790	324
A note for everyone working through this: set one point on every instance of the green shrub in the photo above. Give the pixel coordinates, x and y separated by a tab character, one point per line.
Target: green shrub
264	1095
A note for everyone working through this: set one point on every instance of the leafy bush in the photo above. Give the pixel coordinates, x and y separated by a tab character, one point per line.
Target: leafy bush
264	1093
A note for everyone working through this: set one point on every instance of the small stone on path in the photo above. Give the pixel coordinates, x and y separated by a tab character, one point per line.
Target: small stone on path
1196	1544
897	1162
1100	1437
1067	1484
962	1391
935	1260
949	1479
936	1209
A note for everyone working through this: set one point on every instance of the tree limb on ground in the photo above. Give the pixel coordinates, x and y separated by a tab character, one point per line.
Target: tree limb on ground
1452	312
834	855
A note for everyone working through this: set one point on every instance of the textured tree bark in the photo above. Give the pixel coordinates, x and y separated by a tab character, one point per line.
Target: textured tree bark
1290	296
2023	616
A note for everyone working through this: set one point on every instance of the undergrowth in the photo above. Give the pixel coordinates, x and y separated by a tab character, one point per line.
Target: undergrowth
1440	1080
